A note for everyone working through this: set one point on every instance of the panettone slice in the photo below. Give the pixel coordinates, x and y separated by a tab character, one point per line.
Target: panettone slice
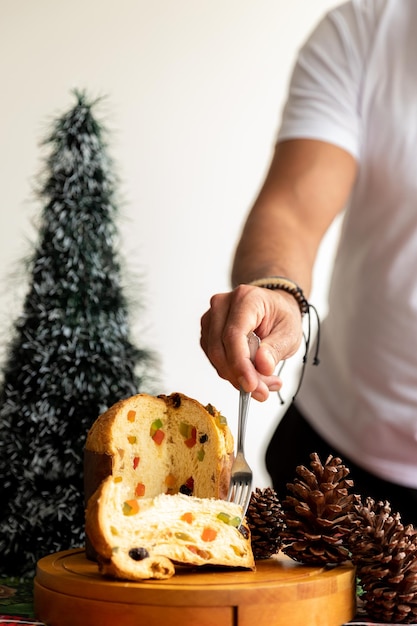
139	538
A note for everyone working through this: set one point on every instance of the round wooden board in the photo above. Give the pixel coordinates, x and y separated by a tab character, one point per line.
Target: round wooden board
69	591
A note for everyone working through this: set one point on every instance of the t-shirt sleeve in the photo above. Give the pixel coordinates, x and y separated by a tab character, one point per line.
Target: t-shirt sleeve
325	89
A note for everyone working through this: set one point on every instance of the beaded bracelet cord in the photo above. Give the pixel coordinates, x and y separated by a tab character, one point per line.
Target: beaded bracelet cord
289	286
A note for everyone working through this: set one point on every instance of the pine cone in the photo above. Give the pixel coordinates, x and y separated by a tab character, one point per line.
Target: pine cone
318	516
264	517
384	552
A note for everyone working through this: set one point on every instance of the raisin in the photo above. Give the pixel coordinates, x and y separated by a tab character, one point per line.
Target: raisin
138	554
203	438
243	531
176	400
188	487
185	490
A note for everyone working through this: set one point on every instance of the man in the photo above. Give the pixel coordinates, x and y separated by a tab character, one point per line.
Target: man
348	141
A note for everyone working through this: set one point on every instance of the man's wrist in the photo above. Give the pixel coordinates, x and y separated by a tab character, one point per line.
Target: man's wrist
284	284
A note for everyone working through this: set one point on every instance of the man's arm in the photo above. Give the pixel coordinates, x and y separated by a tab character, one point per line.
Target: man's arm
307	185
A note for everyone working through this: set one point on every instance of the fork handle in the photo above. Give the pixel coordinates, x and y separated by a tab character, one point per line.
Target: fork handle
244	399
253	343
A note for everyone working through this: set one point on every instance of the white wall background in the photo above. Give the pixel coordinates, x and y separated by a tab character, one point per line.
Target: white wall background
194	90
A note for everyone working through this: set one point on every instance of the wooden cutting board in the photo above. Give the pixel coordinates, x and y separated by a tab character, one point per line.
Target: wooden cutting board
69	591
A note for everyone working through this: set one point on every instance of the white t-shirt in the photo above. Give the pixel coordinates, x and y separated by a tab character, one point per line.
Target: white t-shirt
355	85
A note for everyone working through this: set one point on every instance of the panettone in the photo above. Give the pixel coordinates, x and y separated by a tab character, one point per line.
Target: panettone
159	445
140	538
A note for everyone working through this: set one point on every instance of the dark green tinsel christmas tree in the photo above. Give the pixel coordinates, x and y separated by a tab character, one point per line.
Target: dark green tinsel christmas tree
70	356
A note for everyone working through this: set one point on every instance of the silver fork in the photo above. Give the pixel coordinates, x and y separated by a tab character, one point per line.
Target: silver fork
240	488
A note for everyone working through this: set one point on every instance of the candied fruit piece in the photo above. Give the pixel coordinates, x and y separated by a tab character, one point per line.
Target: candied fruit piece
131	439
189	433
136	460
187	517
170	480
204	554
192	440
221	420
227	519
131	416
201	454
140	490
130	507
170	483
158	436
208	534
156	425
183	536
235	521
185	429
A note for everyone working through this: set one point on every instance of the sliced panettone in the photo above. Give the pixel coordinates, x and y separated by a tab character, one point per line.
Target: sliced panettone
139	538
160	444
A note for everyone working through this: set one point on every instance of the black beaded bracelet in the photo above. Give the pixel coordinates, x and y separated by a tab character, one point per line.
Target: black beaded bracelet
285	284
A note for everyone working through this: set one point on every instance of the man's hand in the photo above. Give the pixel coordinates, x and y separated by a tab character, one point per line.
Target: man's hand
273	315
